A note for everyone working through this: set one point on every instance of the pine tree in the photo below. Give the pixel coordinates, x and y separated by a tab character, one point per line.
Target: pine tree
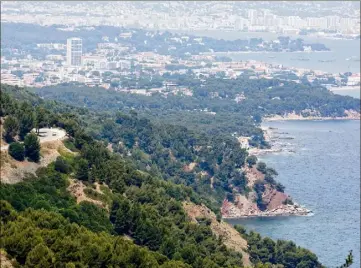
11	126
82	171
27	122
32	147
16	150
40	256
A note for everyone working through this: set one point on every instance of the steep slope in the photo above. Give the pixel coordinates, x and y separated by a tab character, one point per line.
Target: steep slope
142	207
230	237
13	171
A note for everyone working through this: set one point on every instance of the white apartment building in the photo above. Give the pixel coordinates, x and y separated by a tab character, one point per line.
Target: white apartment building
74	50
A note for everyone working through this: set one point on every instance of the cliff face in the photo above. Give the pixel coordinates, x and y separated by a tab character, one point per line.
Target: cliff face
275	201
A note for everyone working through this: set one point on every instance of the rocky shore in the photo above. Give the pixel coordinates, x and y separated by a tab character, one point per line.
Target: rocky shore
350	115
277	203
277	140
230	211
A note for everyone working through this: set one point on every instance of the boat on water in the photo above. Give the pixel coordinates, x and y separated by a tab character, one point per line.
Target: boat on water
326	60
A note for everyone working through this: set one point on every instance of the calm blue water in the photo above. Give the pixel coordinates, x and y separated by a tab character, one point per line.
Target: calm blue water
352	92
323	175
341	50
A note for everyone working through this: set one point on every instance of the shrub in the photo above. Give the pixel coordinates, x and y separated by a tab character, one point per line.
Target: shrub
17	151
251	160
287	201
261	166
62	165
280	187
32	147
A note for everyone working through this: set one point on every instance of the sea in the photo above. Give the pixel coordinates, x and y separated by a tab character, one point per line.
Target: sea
323	174
343	54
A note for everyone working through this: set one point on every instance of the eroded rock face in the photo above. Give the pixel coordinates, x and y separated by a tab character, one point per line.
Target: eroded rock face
273	198
231	238
245	206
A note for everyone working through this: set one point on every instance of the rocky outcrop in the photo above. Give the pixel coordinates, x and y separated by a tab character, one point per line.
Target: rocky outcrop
5	262
231	238
233	211
252	174
275	201
273	198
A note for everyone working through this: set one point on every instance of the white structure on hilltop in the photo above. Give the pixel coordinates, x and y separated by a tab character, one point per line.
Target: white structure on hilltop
74	49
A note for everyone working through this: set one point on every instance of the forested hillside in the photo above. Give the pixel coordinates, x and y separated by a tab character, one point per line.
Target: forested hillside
43	223
216	106
210	164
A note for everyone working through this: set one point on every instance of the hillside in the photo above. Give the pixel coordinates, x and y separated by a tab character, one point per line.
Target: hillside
167	150
45	222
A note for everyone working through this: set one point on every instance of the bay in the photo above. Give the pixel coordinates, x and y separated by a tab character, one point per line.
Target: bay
324	175
341	50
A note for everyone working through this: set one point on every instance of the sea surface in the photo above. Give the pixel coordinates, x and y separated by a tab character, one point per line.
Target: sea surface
356	92
324	175
341	50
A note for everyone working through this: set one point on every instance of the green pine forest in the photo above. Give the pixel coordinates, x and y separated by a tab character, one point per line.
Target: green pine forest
143	182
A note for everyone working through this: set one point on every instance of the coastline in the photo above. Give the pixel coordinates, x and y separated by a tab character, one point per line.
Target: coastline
230	211
293	210
248	209
263	52
342	88
270	136
350	115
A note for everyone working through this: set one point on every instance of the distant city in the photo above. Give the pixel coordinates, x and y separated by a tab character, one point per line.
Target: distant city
105	65
334	19
61	42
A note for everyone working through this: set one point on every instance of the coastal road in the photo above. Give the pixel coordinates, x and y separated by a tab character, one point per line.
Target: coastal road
45	135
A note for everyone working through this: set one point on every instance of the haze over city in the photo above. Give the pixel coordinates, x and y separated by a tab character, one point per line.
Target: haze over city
180	134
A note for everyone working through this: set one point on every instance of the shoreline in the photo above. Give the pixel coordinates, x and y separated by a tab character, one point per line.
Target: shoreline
269	215
273	119
232	213
263	52
283	210
344	88
350	115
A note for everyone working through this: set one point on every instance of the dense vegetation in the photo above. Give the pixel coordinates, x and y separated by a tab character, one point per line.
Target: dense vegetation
167	150
42	223
38	238
265	250
163	150
263	97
